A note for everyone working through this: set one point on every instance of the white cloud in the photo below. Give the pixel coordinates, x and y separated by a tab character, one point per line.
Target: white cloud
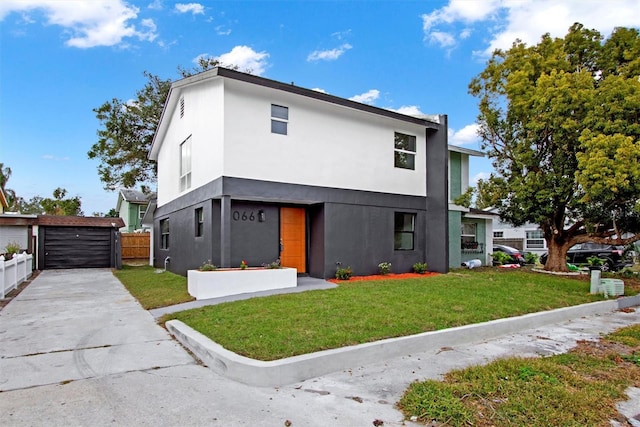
465	136
193	8
156	5
409	110
368	97
221	31
328	55
243	57
89	23
527	20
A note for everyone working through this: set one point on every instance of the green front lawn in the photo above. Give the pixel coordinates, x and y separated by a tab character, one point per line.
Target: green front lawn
153	289
357	312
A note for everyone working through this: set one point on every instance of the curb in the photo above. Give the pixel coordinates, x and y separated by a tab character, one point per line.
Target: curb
299	368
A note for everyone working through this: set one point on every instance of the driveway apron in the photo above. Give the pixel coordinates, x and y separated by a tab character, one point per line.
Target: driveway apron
78	324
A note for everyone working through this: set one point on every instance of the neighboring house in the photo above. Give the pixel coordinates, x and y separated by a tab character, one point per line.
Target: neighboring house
131	207
257	170
18	228
527	238
470	230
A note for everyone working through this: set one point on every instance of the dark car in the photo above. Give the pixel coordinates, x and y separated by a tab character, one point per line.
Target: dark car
516	255
612	255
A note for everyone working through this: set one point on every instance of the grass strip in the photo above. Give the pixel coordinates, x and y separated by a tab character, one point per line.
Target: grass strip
358	312
153	289
580	388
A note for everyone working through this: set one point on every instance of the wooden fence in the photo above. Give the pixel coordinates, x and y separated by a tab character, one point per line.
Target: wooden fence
15	271
136	245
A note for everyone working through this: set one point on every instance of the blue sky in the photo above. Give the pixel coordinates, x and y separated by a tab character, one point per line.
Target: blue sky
61	59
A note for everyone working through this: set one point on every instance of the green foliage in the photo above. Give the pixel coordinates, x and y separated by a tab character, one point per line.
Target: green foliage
465	198
12	247
273	265
559	120
531	258
501	257
58	205
344	273
594	261
384	268
208	266
420	267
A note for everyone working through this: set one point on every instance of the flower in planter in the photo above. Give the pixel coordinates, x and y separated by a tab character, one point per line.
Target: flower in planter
243	265
207	266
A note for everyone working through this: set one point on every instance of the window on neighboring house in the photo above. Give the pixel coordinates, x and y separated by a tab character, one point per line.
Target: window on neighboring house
405	151
498	234
185	164
182	107
164	234
199	222
535	239
279	119
403	231
142	209
468	235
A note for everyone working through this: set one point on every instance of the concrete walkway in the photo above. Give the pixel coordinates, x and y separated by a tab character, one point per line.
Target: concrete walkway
77	350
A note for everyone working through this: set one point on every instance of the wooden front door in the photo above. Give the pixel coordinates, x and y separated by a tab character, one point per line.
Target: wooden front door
293	247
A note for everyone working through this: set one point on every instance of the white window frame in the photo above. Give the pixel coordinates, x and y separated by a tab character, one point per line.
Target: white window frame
142	209
164	233
400	234
534	241
404	151
279	119
185	164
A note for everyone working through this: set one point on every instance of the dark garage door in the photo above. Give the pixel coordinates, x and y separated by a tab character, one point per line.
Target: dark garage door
77	247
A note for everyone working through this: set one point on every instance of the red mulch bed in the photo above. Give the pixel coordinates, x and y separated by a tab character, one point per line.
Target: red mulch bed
390	276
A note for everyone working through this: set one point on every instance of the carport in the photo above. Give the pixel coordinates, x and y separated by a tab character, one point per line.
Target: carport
78	242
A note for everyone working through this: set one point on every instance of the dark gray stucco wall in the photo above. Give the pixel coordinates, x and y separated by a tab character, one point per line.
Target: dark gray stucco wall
254	241
437	229
316	244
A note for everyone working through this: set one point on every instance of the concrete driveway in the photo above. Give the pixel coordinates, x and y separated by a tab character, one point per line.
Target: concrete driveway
77	350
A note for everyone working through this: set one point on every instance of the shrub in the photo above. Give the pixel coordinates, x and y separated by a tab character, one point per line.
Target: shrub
273	265
384	268
344	273
500	257
207	266
531	258
12	247
420	267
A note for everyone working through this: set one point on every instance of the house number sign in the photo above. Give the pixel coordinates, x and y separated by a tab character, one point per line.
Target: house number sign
248	216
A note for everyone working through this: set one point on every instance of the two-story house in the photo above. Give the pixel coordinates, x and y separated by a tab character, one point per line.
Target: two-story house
470	230
131	207
251	169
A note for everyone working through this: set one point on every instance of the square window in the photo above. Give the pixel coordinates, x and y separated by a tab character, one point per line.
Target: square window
164	234
404	151
199	221
403	232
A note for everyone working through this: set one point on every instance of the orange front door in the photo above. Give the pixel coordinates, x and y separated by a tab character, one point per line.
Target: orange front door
293	246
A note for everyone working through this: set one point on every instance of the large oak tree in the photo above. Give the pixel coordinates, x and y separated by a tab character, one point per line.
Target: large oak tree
561	122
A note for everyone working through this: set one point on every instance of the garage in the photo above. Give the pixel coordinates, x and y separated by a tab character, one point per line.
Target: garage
78	242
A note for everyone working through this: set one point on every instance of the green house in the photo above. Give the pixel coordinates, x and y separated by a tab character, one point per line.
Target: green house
131	207
470	230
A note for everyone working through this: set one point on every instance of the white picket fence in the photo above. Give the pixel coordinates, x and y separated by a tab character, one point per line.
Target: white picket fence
15	271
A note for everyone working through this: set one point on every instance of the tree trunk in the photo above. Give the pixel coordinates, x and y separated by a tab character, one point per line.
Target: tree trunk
557	256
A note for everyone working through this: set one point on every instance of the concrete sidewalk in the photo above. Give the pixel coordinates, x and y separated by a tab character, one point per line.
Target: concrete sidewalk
76	350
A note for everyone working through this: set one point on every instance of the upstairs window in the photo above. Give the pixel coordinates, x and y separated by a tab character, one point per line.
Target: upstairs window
142	209
403	231
199	222
164	234
279	119
498	234
405	151
185	164
182	107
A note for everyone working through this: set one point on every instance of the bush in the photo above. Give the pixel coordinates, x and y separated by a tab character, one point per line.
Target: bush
207	266
12	247
531	258
273	265
344	273
420	267
500	257
384	268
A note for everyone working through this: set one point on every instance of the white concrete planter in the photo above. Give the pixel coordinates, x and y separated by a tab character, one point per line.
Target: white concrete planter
220	283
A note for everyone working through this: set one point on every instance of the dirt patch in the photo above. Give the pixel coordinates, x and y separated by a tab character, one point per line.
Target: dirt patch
390	276
14	293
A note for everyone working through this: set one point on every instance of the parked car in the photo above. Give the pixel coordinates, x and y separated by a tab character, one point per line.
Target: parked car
612	255
516	255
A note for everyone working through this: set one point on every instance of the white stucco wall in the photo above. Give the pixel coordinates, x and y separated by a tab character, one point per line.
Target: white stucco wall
326	145
14	233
